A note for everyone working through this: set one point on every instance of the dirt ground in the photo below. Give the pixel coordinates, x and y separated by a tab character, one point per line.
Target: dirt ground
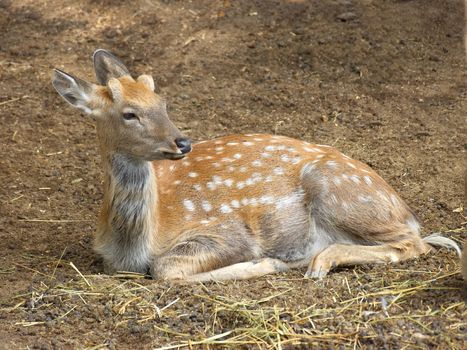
383	81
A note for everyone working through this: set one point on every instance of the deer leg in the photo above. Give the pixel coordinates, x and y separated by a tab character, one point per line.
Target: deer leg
205	258
241	271
343	254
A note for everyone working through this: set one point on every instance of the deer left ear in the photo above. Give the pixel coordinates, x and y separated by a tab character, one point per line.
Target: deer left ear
147	80
107	66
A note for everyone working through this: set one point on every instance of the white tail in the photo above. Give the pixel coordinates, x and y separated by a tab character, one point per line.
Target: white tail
437	240
235	207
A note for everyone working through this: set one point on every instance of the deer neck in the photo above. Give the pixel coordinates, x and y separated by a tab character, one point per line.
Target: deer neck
129	223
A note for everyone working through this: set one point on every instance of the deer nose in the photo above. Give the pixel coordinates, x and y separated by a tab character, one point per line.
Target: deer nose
183	144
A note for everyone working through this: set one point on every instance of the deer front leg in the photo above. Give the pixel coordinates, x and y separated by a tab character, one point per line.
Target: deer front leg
241	271
202	253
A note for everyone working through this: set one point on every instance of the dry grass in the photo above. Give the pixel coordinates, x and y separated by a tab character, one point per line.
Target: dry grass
361	309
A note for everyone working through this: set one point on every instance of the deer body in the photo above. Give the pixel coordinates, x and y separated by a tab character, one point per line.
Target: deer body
234	207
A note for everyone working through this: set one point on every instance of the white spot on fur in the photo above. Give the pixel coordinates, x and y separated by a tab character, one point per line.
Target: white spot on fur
218	142
245	201
243	169
227	160
364	199
217	180
296	160
270	148
235	203
266	199
285	157
216	165
197	187
383	196
232	143
268	178
189	205
248	143
186	163
266	155
219	149
204	222
337	181
249	181
351	165
192	174
231	169
237	156
240	185
225	208
177	182
332	164
207	207
258	139
368	180
313	149
278	171
394	200
257	163
355	178
228	182
281	147
172	167
210	185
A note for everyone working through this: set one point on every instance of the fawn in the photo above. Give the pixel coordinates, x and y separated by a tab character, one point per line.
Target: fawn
235	207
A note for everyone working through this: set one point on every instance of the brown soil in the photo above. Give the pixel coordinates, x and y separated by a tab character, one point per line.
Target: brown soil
383	81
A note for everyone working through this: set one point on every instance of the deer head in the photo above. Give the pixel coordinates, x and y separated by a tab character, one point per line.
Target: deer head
131	118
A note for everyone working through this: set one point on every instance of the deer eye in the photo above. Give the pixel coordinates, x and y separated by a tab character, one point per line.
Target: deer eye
129	116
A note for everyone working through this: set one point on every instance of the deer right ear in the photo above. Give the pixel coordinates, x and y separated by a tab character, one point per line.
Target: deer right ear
107	66
75	91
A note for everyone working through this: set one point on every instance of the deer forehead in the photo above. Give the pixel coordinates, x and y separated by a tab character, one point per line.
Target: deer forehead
136	94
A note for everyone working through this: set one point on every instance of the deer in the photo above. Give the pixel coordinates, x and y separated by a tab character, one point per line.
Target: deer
234	207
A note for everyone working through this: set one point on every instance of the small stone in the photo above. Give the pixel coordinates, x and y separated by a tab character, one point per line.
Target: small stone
347	16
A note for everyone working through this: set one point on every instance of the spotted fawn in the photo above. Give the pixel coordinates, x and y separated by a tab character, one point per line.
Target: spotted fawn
235	207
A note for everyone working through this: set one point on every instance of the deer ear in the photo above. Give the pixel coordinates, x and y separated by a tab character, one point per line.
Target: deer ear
116	89
147	80
107	66
75	91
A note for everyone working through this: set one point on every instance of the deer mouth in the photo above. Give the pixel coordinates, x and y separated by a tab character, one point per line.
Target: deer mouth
173	156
